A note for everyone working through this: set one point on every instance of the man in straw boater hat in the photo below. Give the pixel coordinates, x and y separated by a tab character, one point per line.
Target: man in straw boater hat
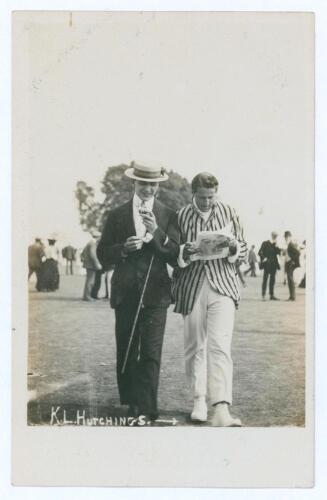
206	292
139	239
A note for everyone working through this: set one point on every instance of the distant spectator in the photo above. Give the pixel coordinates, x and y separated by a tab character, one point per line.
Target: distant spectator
35	256
268	254
49	273
97	284
292	262
252	260
69	254
91	264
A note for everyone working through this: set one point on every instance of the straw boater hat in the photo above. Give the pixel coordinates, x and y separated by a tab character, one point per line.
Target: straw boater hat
149	173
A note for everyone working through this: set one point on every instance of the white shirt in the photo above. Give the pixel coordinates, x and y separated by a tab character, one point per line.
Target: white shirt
140	229
51	252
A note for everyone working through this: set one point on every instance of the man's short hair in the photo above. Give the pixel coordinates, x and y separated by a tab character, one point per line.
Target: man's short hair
204	180
287	234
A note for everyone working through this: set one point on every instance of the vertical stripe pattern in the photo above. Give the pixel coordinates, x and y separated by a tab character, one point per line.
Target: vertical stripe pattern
221	273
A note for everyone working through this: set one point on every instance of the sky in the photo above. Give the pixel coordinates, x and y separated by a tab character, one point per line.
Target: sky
227	93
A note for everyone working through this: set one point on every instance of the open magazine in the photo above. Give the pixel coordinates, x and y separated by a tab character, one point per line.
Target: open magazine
213	244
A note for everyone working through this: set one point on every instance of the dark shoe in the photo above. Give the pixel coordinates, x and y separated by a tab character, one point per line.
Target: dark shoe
290	299
273	298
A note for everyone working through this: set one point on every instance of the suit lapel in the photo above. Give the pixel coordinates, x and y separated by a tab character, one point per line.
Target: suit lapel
159	214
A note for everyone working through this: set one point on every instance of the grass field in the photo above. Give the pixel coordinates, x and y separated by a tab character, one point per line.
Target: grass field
72	358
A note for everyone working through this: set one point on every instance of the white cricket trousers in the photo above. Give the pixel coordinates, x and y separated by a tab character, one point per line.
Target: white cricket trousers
208	331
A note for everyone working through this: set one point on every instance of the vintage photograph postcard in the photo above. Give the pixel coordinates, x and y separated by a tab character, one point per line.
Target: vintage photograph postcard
163	222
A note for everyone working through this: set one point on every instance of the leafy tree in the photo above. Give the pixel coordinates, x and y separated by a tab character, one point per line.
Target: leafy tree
118	189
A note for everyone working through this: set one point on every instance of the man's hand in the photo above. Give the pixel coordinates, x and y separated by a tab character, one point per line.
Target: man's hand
132	244
189	249
149	220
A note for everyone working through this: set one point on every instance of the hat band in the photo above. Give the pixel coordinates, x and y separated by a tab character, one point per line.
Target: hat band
146	174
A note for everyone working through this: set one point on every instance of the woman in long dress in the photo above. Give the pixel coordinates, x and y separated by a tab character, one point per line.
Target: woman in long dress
49	273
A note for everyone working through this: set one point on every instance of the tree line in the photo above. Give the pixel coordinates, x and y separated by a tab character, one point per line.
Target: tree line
118	189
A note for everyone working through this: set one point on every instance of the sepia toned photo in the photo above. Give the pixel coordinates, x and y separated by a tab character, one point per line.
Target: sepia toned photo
163	184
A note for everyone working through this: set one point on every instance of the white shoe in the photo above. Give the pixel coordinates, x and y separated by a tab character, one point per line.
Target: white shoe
222	417
200	410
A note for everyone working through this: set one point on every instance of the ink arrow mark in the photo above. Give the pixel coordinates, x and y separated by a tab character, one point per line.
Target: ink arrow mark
169	422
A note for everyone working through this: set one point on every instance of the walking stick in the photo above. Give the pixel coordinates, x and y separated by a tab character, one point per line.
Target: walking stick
137	315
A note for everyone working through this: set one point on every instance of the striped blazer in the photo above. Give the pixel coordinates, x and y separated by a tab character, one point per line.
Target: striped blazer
221	273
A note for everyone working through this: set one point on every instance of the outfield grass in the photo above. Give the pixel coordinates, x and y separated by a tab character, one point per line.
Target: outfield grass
72	358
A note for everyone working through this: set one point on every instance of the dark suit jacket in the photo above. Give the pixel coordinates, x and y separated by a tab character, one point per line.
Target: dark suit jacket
130	272
269	251
294	255
68	252
35	254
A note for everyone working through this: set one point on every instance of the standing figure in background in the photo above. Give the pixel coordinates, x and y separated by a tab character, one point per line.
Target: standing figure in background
292	262
252	260
97	284
91	264
35	256
49	272
268	254
107	280
69	254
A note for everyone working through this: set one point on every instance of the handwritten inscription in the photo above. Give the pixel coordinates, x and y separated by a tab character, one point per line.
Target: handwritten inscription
59	417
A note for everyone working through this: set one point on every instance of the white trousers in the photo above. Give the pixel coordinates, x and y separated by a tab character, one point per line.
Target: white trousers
208	333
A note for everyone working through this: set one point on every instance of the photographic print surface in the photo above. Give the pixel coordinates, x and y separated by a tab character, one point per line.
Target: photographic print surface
107	105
